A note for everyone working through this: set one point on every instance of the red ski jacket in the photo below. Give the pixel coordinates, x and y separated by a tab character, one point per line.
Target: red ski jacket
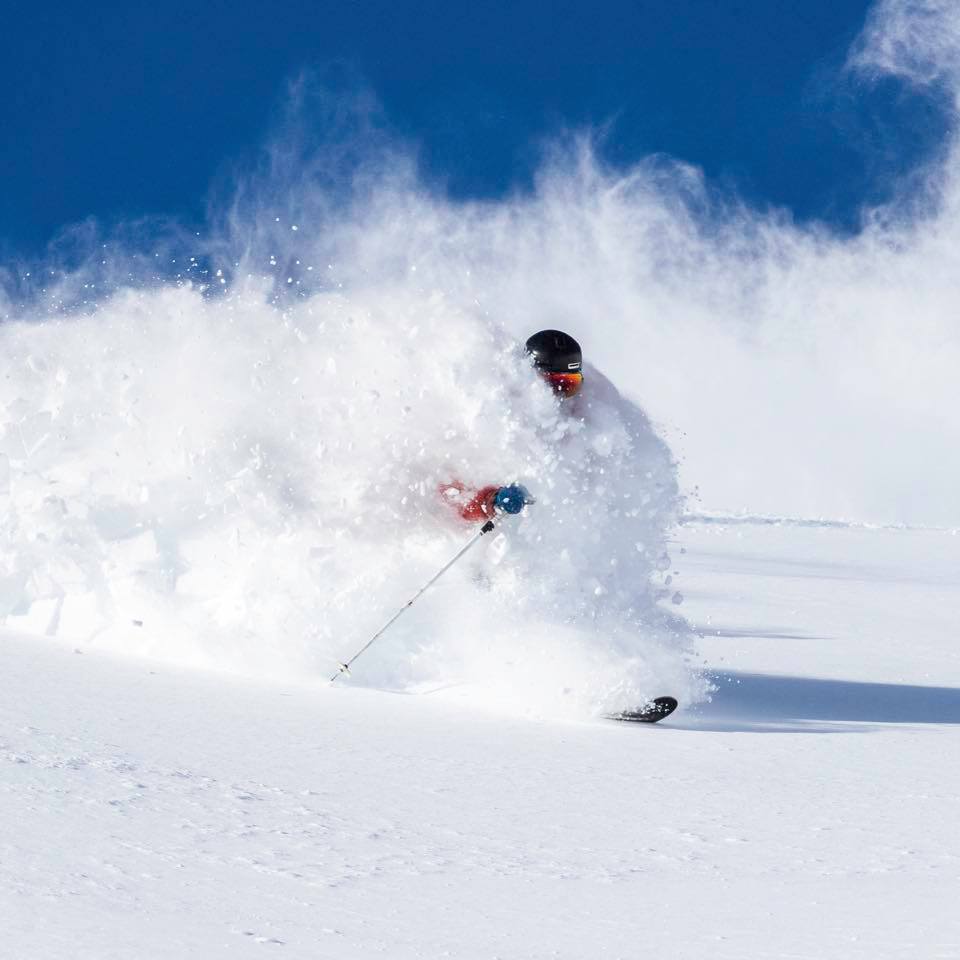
473	505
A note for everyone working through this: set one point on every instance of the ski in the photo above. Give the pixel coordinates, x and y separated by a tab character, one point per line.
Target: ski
652	712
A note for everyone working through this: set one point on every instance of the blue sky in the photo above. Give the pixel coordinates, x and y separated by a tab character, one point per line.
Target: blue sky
118	110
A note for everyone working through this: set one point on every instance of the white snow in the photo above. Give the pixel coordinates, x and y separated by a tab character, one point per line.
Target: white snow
808	811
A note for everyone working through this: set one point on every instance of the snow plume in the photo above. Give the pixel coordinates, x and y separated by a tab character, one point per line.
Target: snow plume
795	371
233	483
915	39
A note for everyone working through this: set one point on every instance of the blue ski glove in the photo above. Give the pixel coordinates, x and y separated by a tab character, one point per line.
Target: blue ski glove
512	499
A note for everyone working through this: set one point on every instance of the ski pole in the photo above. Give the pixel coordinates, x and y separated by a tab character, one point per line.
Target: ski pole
345	667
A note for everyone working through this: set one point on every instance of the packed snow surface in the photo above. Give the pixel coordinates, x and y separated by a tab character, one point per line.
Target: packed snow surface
808	811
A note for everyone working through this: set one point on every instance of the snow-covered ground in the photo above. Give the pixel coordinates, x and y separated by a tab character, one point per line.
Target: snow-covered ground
808	811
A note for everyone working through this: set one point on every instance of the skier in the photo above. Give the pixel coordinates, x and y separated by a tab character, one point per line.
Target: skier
557	357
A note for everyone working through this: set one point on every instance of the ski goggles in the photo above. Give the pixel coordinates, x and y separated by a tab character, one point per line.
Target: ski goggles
564	384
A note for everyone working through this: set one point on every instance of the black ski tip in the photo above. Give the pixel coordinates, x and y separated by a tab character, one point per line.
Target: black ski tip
652	712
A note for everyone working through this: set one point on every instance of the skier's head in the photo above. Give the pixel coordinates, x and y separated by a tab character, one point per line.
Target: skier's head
558	359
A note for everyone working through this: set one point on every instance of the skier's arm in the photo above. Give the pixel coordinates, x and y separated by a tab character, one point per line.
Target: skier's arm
487	502
472	505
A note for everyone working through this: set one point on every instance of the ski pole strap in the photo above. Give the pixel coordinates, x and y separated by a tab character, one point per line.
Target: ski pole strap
486	528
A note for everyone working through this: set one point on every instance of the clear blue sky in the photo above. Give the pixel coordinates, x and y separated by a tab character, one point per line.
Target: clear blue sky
116	110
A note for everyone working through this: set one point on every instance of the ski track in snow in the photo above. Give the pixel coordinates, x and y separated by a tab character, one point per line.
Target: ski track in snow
808	811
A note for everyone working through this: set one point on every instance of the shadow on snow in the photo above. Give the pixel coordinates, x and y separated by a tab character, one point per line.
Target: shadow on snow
763	703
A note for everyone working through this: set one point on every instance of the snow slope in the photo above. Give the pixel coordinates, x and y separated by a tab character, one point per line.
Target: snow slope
808	811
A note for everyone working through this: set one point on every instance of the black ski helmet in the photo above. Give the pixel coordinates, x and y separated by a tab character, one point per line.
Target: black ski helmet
554	351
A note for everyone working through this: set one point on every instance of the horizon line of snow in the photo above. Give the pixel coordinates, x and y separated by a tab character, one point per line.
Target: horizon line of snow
768	520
